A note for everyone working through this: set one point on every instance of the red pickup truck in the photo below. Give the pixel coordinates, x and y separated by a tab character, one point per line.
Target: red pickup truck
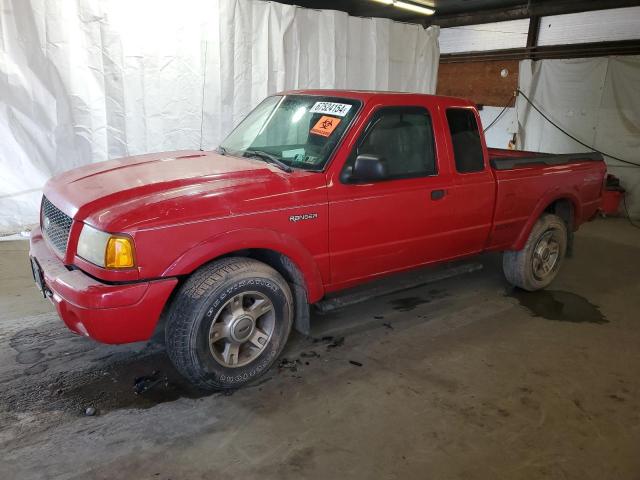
315	191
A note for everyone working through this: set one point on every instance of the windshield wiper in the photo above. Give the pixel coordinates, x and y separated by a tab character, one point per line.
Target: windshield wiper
267	157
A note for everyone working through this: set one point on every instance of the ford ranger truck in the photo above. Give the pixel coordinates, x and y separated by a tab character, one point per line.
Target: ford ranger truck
315	191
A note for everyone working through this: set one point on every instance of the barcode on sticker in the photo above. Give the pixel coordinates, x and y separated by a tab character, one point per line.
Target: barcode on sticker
339	109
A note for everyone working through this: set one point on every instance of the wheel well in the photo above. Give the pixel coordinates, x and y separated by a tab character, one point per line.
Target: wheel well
291	273
281	264
564	209
276	260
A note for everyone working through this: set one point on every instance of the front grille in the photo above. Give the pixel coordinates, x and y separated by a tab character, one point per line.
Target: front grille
55	225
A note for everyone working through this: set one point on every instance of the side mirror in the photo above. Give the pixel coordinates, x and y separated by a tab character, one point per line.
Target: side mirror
368	168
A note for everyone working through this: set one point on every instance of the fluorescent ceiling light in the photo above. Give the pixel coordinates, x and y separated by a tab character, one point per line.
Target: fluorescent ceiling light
409	6
414	8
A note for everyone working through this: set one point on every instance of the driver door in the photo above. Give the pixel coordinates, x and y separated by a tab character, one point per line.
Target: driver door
398	222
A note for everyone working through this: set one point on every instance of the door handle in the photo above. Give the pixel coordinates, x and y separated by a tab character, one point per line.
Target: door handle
438	194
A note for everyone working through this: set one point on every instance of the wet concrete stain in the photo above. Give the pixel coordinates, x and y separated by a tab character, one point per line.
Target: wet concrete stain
29	344
118	380
36	368
138	383
406	304
29	356
559	306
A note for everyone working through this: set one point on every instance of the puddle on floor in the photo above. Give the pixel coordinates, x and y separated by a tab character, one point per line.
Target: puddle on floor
559	305
406	304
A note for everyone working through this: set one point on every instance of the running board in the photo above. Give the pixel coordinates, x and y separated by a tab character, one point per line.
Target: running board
397	283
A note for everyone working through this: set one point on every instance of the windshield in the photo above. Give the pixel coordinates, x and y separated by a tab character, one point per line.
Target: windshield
300	131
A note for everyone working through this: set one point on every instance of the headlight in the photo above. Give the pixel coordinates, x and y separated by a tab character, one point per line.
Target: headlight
105	249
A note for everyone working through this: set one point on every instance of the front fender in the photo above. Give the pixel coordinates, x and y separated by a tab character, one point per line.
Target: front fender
550	197
252	238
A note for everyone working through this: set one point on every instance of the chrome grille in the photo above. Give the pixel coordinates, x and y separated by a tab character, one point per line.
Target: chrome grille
55	225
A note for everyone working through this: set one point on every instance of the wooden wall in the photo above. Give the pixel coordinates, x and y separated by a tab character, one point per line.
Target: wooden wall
479	81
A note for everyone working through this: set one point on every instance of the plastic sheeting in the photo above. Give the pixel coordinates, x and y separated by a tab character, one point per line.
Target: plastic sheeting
594	99
87	80
501	132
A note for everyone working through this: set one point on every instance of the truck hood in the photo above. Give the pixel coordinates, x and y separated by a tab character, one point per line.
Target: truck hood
154	189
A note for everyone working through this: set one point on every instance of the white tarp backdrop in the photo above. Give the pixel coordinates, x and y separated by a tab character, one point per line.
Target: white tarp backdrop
87	80
595	99
501	132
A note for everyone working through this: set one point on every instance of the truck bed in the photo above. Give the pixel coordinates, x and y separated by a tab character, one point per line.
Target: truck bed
529	182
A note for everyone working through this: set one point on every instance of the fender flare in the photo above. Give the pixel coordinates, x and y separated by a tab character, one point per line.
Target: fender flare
547	199
252	238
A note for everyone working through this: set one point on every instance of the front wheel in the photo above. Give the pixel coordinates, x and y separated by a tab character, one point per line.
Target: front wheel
228	323
537	264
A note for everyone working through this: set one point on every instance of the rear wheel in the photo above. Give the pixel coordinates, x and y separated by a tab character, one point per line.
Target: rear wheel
537	264
228	323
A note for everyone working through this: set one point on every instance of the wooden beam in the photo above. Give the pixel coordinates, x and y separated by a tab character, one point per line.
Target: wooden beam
532	34
474	18
538	9
576	50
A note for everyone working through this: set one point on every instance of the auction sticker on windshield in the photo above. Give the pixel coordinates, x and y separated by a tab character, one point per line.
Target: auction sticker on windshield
325	126
339	109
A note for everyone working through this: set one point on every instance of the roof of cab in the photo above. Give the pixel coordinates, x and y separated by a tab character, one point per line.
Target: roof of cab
365	95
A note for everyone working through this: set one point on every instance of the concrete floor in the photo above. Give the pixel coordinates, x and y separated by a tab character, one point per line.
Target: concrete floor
460	379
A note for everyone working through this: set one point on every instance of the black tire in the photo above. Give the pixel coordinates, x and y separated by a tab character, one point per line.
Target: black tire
202	300
520	266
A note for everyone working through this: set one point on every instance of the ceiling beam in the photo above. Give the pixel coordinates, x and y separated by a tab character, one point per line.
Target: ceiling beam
575	50
539	8
369	8
349	7
532	33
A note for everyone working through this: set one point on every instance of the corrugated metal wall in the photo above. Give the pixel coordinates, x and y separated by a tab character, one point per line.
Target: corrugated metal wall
597	26
585	27
486	36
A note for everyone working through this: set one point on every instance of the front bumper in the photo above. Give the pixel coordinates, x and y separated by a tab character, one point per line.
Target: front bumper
120	313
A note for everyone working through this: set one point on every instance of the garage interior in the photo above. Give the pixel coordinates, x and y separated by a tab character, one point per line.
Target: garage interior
430	376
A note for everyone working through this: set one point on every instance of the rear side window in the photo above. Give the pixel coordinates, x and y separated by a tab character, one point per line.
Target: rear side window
465	136
403	138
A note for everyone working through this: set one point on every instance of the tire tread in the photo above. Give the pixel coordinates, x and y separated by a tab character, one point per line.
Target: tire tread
179	328
515	263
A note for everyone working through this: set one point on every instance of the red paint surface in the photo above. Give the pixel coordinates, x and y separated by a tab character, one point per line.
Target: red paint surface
108	313
184	209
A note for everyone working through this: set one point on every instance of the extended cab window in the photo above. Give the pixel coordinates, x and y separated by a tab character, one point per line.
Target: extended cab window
403	138
465	136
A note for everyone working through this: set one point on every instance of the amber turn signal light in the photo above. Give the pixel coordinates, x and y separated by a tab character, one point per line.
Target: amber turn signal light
119	253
